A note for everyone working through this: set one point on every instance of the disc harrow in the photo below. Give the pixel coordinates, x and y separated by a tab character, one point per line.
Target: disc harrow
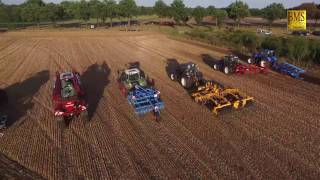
220	99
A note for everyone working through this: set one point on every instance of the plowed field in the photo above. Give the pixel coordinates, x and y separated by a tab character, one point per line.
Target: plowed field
277	138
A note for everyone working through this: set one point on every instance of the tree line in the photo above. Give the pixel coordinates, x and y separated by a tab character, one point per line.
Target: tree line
37	11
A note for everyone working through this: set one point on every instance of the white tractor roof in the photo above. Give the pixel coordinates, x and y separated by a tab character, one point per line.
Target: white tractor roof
66	75
132	71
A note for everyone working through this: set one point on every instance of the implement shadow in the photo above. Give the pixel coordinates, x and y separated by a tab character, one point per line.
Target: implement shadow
20	95
95	79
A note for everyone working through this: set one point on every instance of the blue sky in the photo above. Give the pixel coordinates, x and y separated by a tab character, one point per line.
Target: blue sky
193	3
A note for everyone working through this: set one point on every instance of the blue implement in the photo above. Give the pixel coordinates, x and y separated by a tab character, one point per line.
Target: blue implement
289	69
145	100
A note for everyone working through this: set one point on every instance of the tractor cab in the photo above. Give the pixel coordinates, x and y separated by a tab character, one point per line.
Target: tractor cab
190	69
231	60
67	86
132	77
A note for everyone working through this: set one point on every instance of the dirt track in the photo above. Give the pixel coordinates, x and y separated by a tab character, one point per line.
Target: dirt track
278	138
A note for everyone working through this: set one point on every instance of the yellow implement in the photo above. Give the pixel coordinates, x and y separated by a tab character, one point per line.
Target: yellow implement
219	99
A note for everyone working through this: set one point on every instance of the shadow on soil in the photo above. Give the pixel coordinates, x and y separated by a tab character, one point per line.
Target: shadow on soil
19	97
95	79
209	60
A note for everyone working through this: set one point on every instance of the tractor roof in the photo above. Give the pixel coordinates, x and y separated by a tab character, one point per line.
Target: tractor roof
132	71
66	75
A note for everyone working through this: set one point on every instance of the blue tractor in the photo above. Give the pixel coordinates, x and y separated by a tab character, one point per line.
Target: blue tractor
268	58
263	58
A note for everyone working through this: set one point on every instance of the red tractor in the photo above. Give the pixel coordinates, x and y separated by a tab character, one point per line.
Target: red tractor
69	97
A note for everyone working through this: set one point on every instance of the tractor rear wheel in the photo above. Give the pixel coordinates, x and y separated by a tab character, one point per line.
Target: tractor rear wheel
226	70
186	82
263	64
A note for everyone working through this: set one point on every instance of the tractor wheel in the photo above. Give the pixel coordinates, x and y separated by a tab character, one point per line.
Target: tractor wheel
216	67
250	61
186	82
263	64
226	70
173	76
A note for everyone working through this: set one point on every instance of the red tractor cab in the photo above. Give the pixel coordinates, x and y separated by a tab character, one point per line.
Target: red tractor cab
69	96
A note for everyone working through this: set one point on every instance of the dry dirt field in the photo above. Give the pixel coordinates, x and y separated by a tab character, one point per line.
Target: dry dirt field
277	138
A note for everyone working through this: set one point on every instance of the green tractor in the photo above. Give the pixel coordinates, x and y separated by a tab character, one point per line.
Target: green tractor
129	78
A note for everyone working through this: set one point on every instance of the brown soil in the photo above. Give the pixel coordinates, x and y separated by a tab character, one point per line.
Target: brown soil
277	138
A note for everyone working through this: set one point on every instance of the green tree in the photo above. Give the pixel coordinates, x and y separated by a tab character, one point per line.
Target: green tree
111	10
161	9
128	9
71	9
198	13
211	10
256	12
96	9
84	10
237	11
179	11
220	16
273	12
53	12
33	11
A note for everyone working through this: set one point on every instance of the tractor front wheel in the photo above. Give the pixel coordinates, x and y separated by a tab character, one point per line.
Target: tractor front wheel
173	76
216	67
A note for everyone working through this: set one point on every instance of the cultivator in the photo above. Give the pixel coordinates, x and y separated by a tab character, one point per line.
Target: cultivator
145	100
288	69
219	99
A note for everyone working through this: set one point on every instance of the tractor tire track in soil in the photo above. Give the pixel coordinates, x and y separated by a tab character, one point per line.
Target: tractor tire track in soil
277	138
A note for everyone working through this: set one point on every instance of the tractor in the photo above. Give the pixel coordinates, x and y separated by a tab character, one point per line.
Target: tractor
187	74
263	58
129	78
139	91
69	97
228	64
232	64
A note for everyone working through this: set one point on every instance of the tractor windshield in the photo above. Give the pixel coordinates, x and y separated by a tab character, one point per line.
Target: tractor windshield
134	77
67	89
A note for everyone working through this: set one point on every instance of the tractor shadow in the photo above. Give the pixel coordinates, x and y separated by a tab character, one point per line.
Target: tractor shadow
310	78
19	97
172	65
209	60
95	79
